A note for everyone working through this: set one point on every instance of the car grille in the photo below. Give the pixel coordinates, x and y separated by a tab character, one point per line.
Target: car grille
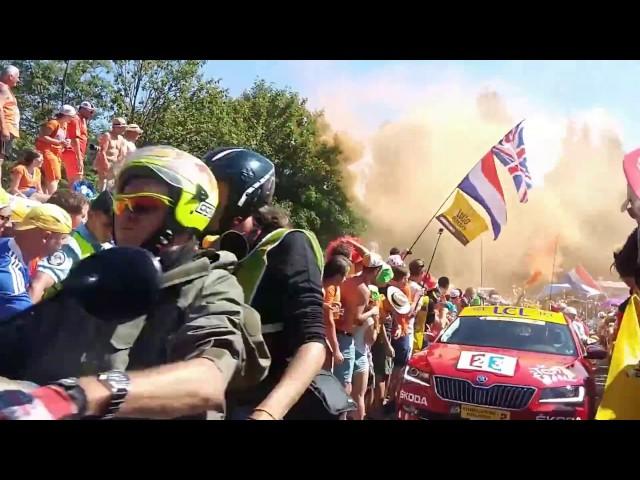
512	397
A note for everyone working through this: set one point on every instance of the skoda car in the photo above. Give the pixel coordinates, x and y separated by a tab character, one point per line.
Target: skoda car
502	363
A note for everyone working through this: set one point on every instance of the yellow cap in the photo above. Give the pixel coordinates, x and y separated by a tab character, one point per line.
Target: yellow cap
47	217
20	206
5	199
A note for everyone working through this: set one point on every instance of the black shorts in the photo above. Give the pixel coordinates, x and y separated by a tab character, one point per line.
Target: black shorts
6	147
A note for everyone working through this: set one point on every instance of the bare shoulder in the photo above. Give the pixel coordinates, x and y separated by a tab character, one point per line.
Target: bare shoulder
363	292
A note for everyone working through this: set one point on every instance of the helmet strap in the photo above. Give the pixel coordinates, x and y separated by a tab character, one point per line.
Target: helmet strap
175	256
159	240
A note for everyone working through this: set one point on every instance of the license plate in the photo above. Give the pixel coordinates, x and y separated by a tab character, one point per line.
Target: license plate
479	413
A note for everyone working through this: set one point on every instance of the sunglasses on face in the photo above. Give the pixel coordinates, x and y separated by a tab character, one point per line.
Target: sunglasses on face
5	218
140	203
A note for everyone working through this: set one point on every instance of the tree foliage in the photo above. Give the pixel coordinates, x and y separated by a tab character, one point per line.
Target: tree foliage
40	93
176	106
144	90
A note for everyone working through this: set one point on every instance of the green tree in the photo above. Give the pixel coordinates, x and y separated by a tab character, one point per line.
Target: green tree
146	90
278	124
199	121
40	91
172	102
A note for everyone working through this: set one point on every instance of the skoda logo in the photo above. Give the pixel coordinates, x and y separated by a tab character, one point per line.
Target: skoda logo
481	379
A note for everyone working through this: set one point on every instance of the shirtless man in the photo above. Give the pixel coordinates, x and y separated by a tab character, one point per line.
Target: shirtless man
9	113
112	151
355	298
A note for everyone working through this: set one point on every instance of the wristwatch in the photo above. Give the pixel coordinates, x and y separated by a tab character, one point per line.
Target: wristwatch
76	393
118	384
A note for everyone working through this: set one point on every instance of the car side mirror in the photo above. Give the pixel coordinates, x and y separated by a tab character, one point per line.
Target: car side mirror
596	352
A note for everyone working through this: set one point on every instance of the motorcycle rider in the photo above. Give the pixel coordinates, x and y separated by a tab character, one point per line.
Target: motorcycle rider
281	276
179	358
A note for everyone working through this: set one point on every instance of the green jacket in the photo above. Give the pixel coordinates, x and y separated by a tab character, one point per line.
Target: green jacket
217	324
251	268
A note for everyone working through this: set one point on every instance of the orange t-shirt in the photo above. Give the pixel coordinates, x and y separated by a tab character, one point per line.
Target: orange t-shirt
332	295
58	132
77	128
27	180
10	111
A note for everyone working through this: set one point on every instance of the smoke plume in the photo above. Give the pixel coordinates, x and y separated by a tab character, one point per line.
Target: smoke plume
412	164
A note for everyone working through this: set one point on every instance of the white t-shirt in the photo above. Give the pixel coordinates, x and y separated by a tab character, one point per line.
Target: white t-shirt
579	329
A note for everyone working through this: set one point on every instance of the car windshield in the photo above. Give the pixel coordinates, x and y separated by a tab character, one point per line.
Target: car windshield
512	333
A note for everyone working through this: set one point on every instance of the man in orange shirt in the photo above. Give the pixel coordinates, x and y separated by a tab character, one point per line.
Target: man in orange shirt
73	156
9	112
51	141
112	152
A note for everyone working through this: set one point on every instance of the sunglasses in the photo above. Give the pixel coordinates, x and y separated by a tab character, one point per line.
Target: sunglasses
5	218
140	203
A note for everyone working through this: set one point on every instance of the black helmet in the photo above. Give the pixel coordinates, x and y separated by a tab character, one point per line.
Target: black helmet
249	177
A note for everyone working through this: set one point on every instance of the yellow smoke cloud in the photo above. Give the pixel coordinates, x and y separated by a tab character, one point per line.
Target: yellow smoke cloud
407	167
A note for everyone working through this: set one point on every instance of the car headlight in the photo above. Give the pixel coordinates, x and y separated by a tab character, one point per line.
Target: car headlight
415	375
568	394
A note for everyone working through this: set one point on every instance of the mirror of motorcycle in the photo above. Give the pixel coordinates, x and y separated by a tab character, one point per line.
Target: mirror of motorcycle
115	284
235	243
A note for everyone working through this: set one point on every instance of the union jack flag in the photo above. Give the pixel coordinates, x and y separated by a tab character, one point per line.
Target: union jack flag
510	152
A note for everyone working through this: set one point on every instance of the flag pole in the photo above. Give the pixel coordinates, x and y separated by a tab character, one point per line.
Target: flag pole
553	269
431	219
449	196
481	263
440	232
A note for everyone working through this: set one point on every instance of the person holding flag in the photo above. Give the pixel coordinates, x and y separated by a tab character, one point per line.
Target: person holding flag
622	388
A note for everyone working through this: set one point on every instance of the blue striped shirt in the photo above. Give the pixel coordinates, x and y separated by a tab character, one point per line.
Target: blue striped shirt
14	280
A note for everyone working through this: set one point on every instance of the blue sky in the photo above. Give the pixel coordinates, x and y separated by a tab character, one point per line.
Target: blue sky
564	87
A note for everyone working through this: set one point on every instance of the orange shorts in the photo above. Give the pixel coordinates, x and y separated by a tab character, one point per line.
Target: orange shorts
71	169
51	166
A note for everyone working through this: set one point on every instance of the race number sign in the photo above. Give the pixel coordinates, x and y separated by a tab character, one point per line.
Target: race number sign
487	362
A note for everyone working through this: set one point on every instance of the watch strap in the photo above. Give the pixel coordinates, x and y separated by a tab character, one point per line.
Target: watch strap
118	384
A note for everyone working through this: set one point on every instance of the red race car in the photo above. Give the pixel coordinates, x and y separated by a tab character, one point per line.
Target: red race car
502	363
